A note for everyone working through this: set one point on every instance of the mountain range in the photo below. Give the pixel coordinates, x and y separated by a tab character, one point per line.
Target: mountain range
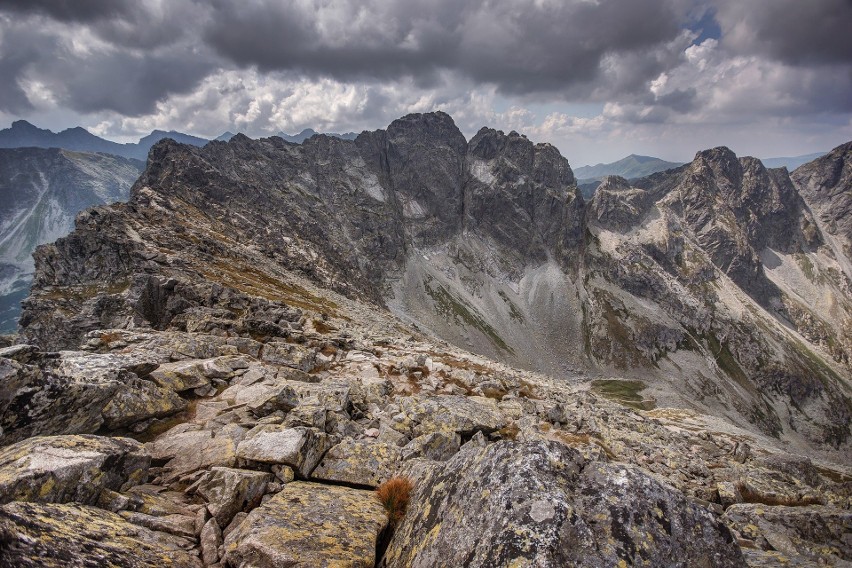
657	375
41	191
22	134
632	166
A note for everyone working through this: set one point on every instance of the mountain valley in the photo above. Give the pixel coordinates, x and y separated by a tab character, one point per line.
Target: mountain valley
659	374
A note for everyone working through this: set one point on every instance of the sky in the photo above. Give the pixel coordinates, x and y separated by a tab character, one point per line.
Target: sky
599	79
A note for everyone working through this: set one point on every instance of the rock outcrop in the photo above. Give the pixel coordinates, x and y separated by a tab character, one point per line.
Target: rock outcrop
555	509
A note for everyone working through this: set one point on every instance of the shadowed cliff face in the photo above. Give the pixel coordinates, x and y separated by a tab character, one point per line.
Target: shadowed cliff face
712	282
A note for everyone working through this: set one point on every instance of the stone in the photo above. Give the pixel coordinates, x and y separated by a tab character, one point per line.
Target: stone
193	450
812	534
142	400
59	469
51	535
178	525
283	398
309	524
299	448
229	491
438	446
76	393
543	504
181	375
449	413
358	462
210	541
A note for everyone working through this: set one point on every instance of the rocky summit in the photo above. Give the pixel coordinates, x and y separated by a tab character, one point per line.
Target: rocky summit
221	371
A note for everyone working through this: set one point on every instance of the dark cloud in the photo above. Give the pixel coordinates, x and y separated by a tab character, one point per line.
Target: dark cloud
69	10
89	78
128	83
520	46
679	100
792	31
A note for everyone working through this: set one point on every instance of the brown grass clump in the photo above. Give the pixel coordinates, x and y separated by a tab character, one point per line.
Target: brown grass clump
394	494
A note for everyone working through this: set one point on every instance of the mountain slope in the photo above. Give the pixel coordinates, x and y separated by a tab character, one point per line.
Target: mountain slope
233	316
687	281
41	191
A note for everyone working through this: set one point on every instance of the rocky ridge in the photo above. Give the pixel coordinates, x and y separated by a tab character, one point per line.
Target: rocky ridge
269	391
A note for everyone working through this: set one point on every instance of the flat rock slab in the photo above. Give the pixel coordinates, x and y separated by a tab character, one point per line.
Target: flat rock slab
542	504
299	448
464	415
53	535
358	462
58	469
308	525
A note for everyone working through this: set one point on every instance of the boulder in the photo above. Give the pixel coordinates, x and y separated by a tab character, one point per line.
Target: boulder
181	375
438	446
358	462
229	491
307	525
812	534
210	541
421	414
543	504
193	450
58	469
50	535
283	398
299	448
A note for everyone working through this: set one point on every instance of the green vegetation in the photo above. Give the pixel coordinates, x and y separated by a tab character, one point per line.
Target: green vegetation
514	312
623	391
449	306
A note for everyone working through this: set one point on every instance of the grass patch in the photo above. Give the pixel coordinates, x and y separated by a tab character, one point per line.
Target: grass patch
394	495
514	312
581	439
623	391
449	306
240	276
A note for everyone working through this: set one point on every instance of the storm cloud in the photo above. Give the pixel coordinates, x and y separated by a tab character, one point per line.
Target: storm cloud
124	66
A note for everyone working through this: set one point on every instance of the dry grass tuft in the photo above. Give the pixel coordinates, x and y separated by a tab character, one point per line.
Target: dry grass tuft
394	494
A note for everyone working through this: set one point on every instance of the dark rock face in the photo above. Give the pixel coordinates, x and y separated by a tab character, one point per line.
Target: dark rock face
543	504
824	184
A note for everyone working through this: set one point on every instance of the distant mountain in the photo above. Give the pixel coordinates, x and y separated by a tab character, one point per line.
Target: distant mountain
632	166
41	191
791	163
308	132
225	136
22	134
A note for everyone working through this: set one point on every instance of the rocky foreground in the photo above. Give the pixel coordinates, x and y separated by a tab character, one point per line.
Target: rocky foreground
168	448
194	387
